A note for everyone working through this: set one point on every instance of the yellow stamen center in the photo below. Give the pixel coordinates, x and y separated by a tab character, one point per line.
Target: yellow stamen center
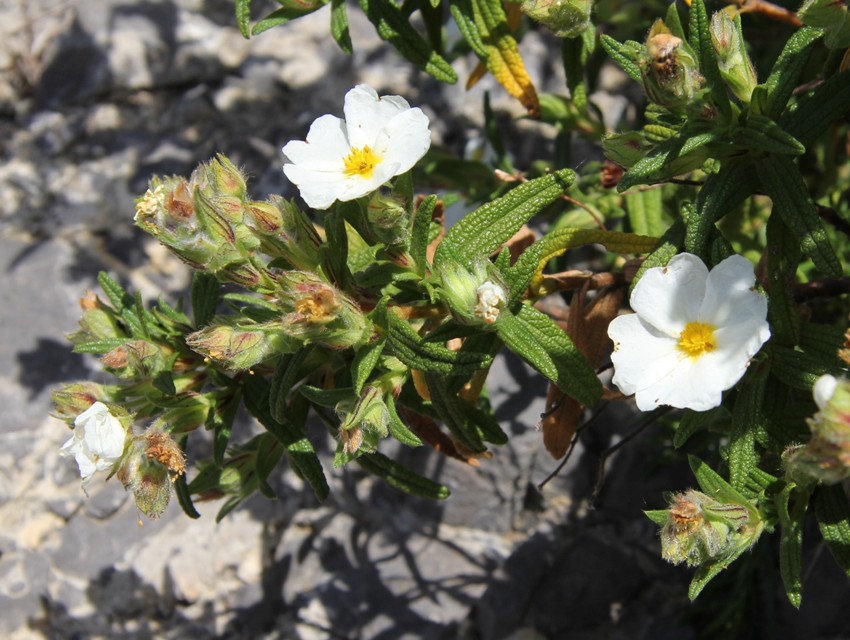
361	162
697	339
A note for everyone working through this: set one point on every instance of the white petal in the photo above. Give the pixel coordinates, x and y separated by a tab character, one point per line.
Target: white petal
319	189
823	390
730	294
366	114
105	438
689	385
404	140
326	145
86	464
642	355
670	297
71	447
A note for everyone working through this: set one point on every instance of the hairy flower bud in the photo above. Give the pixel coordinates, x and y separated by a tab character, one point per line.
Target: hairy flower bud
735	65
99	322
285	232
388	219
240	346
566	18
135	359
826	457
150	469
700	530
670	72
317	312
73	399
361	427
475	297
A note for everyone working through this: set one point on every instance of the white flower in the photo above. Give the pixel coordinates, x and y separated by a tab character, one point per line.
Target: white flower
490	300
345	159
693	333
98	440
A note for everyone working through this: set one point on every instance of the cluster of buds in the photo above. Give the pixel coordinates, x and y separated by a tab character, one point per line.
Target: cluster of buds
735	65
317	312
362	426
285	232
476	296
700	530
669	69
565	18
826	457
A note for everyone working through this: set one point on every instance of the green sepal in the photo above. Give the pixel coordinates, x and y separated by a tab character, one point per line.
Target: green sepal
402	478
786	72
791	540
205	290
299	450
339	26
397	428
785	186
674	22
364	363
833	515
419	236
658	516
420	354
623	55
392	26
484	230
536	338
760	133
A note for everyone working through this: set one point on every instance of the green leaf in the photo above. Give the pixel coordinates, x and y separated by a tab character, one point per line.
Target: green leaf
118	297
786	72
286	374
674	22
645	212
364	363
449	406
704	49
760	133
205	289
668	246
220	421
285	14
791	519
243	17
572	54
483	231
397	428
813	115
747	417
339	26
392	26
833	514
702	577
798	369
419	354
335	249
269	451
299	450
98	346
328	398
622	56
401	477
783	256
658	516
531	333
181	490
785	186
715	486
419	236
693	421
464	16
670	158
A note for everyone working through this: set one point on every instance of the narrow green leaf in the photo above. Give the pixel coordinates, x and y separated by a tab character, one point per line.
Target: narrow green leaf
619	54
783	256
760	133
670	158
746	419
517	338
118	297
702	577
701	43
573	373
464	16
693	421
401	477
98	346
712	484
798	369
364	363
572	54
791	517
658	516
328	398
813	115
393	27
220	421
243	17
668	246
833	514
419	236
181	490
397	428
286	374
339	26
785	186
644	209
448	406
787	70
282	16
483	231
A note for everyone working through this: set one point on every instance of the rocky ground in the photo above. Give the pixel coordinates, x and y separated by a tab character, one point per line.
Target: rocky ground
97	96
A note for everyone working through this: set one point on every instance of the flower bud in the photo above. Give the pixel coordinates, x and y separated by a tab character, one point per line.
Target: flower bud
317	312
566	18
98	322
73	399
363	426
190	413
150	469
238	347
388	219
670	72
826	457
735	65
285	232
226	178
475	297
135	359
700	530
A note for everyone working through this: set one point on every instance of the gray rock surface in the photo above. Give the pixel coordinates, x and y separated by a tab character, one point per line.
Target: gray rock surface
97	96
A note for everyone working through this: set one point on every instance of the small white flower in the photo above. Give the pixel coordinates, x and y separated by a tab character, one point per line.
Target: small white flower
98	441
346	159
824	389
490	300
693	333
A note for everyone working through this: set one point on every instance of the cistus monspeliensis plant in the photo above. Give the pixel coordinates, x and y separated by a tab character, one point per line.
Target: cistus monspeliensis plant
722	218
